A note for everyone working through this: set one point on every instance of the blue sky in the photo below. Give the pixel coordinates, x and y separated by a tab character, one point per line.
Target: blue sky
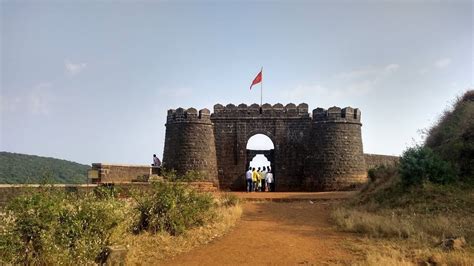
91	81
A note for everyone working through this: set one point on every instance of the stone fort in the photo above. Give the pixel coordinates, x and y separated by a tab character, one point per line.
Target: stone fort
312	152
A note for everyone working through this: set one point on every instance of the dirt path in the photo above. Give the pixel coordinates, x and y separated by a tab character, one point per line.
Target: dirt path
285	233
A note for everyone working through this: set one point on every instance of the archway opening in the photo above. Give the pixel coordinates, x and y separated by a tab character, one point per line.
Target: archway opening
260	142
260	155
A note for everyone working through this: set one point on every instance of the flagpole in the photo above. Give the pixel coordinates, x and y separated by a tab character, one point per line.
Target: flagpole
261	88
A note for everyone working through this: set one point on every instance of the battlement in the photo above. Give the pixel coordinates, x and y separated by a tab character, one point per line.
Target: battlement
267	110
336	114
188	115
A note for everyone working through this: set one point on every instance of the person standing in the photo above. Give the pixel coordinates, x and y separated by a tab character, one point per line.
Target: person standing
248	178
254	179
270	181
264	174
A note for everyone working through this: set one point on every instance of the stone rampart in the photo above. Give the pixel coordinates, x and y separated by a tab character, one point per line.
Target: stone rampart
118	173
374	160
337	162
189	143
322	151
267	110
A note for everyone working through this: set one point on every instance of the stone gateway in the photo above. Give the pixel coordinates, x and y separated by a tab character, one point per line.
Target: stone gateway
317	152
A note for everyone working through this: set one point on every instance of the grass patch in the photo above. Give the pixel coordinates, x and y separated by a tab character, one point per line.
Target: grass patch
148	248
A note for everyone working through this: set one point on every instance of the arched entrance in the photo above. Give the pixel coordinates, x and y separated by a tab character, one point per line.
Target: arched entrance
260	152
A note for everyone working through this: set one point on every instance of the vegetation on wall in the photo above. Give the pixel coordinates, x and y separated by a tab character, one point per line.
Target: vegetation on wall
18	168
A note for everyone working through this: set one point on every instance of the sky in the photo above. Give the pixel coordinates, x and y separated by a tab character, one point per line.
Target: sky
91	81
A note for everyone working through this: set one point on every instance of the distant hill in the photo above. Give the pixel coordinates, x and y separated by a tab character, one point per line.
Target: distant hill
18	168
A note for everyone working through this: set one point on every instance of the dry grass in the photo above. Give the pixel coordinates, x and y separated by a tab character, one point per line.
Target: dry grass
388	252
404	226
147	248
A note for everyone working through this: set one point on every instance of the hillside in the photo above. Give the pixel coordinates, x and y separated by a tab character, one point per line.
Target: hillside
22	168
413	211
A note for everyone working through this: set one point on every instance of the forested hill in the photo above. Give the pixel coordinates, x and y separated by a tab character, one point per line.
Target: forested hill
18	168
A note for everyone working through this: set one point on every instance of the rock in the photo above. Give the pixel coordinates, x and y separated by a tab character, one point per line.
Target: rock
453	243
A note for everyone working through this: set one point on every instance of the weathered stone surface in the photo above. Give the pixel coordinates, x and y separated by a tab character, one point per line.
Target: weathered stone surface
374	160
189	143
120	173
323	152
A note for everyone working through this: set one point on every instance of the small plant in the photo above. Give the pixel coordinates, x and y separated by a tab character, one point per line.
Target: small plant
229	200
169	174
193	176
420	164
171	207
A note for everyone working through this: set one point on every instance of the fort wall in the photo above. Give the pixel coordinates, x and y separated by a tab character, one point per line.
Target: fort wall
374	160
189	143
337	161
318	152
118	173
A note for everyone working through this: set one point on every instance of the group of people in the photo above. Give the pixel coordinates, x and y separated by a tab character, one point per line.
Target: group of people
260	179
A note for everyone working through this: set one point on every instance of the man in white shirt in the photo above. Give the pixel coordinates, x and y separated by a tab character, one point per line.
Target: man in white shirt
269	180
248	177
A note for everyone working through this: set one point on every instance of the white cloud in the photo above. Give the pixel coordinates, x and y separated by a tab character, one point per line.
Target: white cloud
74	68
443	62
36	100
9	104
39	99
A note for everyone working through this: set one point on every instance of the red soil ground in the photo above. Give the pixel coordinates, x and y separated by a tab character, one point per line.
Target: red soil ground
283	233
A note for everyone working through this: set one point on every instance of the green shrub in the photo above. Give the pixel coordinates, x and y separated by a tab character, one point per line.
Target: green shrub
189	176
169	174
53	227
192	176
171	207
419	164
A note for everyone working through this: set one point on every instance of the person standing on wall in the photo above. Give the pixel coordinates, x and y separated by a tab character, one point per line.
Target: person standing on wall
156	161
248	177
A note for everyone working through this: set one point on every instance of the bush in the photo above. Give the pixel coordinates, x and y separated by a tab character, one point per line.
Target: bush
171	207
452	137
419	164
52	227
190	176
382	172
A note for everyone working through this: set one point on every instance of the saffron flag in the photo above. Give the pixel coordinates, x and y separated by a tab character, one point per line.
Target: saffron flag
257	79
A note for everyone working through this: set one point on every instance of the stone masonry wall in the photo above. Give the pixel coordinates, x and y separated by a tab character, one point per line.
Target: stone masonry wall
119	173
189	143
374	160
337	159
322	152
287	126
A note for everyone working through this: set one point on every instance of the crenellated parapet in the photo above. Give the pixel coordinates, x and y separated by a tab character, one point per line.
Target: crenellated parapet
266	110
188	115
337	115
